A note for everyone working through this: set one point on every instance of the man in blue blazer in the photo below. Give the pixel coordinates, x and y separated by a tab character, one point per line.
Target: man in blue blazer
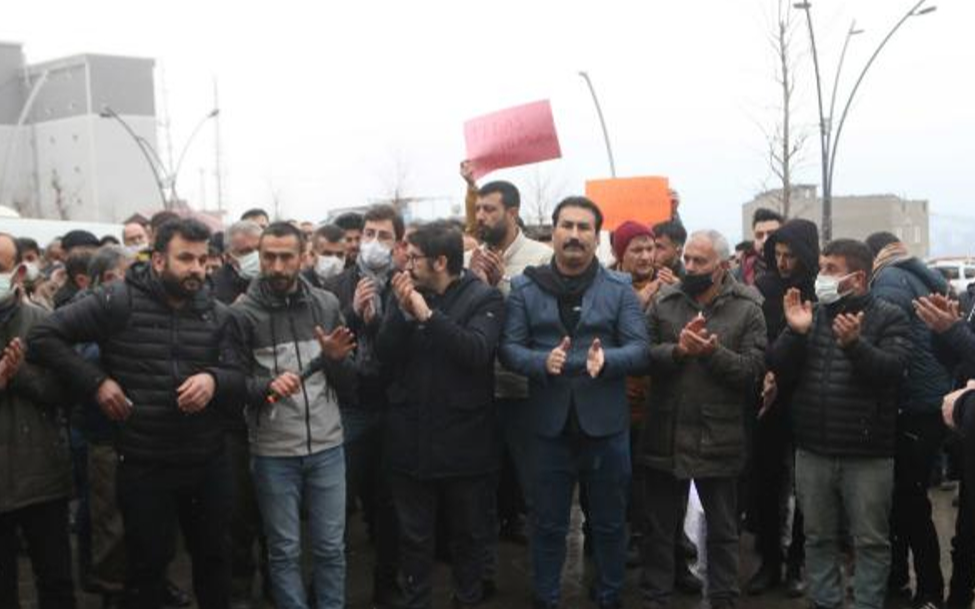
576	331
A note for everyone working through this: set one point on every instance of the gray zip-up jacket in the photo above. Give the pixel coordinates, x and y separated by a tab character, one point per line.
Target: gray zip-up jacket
279	332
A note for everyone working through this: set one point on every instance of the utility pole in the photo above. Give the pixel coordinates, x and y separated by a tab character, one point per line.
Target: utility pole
217	154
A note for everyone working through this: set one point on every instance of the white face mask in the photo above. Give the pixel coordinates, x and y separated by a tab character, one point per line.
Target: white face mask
6	285
828	288
329	266
33	272
249	265
374	255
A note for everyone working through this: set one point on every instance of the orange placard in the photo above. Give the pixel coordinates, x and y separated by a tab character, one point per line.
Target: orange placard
644	199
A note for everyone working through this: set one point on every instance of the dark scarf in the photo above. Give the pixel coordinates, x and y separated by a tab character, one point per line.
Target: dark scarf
567	289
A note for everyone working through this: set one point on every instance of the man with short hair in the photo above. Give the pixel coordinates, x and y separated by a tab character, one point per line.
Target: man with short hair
365	292
35	480
845	356
668	245
169	365
257	216
792	255
351	224
504	253
576	331
900	279
298	350
328	253
78	247
764	222
708	352
242	263
440	335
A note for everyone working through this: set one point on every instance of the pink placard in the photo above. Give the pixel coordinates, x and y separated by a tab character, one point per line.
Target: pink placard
515	136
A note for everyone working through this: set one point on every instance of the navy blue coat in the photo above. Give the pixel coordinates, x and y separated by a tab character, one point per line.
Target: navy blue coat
610	312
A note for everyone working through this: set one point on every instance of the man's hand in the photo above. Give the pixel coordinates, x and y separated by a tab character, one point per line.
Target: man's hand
647	292
410	300
595	359
798	314
467	172
666	276
770	391
937	312
195	392
948	405
111	399
487	265
336	345
287	383
11	360
846	328
693	338
363	301
556	358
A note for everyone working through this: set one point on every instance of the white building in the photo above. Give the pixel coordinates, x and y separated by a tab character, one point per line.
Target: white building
59	158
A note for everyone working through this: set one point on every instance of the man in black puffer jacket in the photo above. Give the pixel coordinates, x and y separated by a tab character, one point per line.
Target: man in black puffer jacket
169	364
846	358
900	279
442	448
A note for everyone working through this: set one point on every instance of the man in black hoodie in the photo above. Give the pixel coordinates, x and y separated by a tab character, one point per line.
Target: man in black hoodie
793	254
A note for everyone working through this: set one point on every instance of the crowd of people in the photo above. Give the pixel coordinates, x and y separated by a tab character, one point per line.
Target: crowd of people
457	383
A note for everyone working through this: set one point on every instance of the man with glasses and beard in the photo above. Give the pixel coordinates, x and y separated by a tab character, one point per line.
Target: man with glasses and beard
169	366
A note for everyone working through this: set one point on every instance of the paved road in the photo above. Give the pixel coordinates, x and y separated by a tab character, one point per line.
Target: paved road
514	573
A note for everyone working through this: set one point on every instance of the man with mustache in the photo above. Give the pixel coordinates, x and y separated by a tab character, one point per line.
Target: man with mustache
576	331
169	366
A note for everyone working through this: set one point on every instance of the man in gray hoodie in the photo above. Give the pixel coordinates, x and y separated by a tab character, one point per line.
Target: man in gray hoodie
299	364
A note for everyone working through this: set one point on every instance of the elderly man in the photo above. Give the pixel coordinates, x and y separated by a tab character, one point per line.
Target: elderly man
708	353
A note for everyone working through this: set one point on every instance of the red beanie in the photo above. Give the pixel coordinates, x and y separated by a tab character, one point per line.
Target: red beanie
625	233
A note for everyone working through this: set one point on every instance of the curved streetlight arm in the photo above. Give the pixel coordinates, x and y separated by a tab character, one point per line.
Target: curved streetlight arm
186	147
602	123
108	112
849	101
839	69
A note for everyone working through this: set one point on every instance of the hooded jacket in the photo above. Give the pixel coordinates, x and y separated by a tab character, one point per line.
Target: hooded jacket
279	334
927	382
150	348
802	237
34	462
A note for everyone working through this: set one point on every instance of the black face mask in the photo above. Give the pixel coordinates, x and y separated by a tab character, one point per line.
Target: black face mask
695	285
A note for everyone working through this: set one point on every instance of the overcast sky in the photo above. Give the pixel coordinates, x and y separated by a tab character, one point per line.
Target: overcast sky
326	105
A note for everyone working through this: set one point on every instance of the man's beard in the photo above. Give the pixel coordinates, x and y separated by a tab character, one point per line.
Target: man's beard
493	235
281	283
186	287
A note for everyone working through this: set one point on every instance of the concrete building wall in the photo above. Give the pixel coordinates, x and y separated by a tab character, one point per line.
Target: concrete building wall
855	217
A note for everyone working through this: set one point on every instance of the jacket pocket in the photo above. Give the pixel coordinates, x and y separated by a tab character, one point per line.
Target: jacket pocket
722	430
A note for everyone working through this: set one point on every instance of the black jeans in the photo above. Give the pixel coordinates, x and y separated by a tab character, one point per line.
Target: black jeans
245	518
919	439
464	505
153	498
45	528
666	501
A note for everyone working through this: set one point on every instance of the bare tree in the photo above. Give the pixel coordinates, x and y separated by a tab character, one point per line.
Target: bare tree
396	181
541	190
784	141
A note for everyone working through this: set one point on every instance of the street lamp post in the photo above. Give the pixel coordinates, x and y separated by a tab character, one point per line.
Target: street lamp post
168	177
602	123
829	143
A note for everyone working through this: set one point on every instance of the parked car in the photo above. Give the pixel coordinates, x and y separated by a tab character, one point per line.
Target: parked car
960	272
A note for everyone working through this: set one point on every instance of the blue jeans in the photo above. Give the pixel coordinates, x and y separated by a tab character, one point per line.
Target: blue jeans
603	466
861	489
283	485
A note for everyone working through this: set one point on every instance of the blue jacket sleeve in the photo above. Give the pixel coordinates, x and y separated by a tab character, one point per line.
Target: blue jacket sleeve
516	354
633	354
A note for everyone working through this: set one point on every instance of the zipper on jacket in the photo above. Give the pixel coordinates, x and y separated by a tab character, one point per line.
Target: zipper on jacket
304	393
